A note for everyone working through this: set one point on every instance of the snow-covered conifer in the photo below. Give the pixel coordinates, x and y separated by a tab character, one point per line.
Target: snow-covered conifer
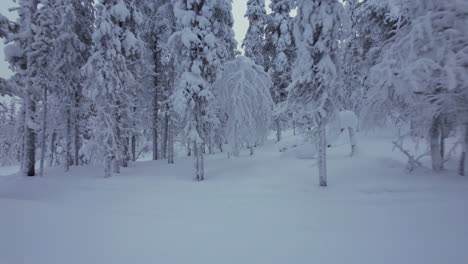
108	79
255	37
16	52
197	55
312	91
281	52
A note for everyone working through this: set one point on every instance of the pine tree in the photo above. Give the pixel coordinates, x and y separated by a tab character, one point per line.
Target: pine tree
71	52
45	32
312	90
197	55
108	78
281	54
17	54
255	37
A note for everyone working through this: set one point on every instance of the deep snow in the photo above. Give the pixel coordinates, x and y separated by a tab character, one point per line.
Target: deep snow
265	209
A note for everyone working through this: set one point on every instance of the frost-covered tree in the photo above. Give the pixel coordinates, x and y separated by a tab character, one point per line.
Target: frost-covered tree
243	91
71	51
280	53
9	145
312	91
41	53
255	37
423	70
17	55
157	27
197	55
223	22
367	25
108	79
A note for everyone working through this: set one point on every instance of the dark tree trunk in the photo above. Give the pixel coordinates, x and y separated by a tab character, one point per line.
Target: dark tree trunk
30	139
134	148
434	137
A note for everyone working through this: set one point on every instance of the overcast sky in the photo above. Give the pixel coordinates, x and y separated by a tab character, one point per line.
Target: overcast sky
240	27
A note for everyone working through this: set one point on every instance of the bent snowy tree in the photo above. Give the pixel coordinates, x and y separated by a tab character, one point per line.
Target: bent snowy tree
243	92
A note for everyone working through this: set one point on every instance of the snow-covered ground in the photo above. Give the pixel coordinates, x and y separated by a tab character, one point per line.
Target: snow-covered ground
265	209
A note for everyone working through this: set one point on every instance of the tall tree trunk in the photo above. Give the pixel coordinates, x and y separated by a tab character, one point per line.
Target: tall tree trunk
22	126
170	142
278	130
53	138
76	124
29	138
156	59
67	157
165	137
434	137
117	155
44	133
464	156
125	150
322	155
108	163
352	140
199	146
134	148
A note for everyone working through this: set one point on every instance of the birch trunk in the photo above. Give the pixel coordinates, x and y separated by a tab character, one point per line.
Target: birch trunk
322	155
434	137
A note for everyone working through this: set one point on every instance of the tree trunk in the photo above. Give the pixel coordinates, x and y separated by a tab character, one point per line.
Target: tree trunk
352	140
125	150
322	155
134	148
170	143
76	141
434	137
199	146
464	155
165	137
67	151
156	59
53	138
108	164
278	130
251	147
29	138
44	133
22	126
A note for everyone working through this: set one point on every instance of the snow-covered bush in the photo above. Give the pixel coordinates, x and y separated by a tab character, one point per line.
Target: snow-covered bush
244	94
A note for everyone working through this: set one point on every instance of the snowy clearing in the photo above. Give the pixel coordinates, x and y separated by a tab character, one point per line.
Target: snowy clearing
261	209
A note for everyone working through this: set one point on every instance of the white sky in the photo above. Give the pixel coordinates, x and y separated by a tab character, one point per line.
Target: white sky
240	27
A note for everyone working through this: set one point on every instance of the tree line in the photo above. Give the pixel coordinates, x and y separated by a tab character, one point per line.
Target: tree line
106	82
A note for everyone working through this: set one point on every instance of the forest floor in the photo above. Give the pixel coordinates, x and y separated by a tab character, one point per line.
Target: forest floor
265	209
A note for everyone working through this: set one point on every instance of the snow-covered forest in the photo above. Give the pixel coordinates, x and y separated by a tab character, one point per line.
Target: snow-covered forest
154	109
